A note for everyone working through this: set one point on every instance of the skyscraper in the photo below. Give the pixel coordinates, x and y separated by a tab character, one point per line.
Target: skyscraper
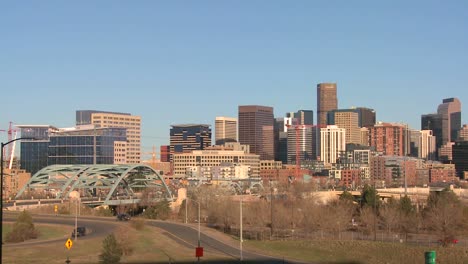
300	137
366	116
252	120
302	117
116	120
333	143
433	122
326	101
450	112
225	130
281	138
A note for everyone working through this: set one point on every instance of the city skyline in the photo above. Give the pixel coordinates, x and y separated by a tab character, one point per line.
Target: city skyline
138	59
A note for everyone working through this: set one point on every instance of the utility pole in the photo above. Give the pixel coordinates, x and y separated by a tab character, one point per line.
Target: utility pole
241	231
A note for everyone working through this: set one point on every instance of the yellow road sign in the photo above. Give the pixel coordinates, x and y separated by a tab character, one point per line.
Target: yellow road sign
55	208
68	244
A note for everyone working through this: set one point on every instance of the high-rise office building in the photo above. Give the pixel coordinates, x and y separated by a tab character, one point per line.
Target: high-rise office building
252	120
225	130
349	120
433	122
281	138
301	117
367	116
185	138
388	138
34	153
116	120
450	112
165	153
333	143
326	101
459	156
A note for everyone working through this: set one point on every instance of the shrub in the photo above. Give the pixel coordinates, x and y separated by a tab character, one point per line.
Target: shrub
111	251
23	229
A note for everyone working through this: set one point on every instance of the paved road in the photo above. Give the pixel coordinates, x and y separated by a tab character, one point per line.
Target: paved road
96	227
188	236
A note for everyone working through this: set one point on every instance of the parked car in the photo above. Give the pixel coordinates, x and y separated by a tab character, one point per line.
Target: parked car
81	231
123	217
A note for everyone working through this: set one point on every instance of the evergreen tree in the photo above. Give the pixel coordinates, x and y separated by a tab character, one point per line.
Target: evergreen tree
111	251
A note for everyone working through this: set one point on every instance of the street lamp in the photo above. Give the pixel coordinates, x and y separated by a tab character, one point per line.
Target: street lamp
198	218
1	179
240	241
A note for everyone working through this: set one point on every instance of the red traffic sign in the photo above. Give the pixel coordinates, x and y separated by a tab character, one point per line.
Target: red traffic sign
199	252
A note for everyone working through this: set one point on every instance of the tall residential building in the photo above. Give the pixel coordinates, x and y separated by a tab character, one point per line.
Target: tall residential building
349	120
34	153
252	120
332	142
423	144
225	130
364	133
326	101
185	138
116	120
450	112
301	117
300	137
388	138
463	134
445	152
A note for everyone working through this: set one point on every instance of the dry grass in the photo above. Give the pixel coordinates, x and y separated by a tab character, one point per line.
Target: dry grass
358	252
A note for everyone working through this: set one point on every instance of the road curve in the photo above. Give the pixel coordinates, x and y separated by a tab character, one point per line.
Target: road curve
96	227
188	236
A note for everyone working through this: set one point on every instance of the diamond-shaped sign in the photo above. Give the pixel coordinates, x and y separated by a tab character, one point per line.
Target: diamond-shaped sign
68	244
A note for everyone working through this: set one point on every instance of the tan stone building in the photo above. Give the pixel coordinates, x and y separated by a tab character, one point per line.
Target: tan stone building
13	181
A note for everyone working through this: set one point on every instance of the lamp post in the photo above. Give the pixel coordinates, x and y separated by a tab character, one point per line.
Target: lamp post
199	233
241	239
1	179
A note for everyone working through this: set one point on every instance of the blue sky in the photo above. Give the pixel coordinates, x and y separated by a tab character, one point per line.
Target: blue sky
190	61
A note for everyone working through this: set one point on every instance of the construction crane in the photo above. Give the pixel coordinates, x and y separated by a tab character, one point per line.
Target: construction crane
298	128
153	156
10	152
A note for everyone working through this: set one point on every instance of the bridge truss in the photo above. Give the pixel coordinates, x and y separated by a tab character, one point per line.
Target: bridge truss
99	184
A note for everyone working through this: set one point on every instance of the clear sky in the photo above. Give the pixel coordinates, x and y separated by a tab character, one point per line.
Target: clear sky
190	61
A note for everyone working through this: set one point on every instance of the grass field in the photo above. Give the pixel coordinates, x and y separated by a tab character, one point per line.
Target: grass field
45	231
357	252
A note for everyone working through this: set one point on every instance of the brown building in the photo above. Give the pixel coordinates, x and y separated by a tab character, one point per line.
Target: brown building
388	138
450	112
256	129
350	177
13	181
443	173
326	101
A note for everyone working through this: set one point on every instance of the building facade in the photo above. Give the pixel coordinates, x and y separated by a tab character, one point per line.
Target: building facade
256	129
214	158
103	119
326	101
225	130
388	138
349	120
332	142
463	134
34	152
450	112
87	145
186	138
460	157
300	138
